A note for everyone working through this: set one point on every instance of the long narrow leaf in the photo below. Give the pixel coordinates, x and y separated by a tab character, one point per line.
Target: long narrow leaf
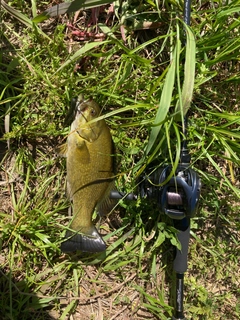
17	14
20	17
87	47
225	179
227	12
69	7
105	29
229	133
189	72
164	104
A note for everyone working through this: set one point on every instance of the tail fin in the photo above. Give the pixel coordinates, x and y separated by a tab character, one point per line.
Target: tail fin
92	242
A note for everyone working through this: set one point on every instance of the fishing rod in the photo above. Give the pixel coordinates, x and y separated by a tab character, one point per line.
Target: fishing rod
183	226
178	199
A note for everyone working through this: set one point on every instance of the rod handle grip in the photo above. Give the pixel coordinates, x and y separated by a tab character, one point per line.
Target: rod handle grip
181	259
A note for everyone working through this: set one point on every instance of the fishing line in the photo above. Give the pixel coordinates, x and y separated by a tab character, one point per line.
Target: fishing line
174	198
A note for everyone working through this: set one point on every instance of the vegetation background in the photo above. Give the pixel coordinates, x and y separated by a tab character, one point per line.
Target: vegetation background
122	56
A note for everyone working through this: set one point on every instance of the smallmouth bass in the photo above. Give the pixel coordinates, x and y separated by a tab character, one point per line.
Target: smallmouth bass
89	153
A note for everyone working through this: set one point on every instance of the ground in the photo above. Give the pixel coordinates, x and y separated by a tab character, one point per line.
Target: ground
127	76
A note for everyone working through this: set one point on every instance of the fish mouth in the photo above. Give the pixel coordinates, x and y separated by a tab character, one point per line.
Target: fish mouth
79	102
86	111
82	107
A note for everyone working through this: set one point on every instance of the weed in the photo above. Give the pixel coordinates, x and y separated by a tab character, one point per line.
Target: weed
143	77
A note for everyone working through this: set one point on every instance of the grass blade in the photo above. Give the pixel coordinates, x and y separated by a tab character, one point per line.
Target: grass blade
189	72
17	14
20	17
86	48
164	104
69	7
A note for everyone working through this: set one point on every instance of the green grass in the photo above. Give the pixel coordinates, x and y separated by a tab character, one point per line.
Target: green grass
139	84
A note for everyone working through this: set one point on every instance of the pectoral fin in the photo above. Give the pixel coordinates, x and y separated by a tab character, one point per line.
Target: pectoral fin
62	150
106	204
80	143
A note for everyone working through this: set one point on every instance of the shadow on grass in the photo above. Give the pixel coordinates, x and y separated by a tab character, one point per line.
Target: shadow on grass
17	301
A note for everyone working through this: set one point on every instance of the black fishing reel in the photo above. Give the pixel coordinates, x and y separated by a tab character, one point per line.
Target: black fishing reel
177	196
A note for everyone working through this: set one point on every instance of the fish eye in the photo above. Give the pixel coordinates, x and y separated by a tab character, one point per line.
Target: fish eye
93	112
